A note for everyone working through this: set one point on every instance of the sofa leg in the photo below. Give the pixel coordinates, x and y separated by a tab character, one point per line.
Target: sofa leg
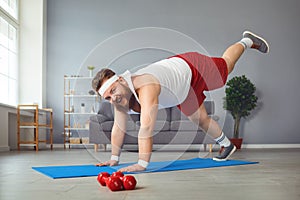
96	147
210	148
104	146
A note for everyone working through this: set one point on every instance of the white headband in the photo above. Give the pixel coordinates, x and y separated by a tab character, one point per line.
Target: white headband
107	84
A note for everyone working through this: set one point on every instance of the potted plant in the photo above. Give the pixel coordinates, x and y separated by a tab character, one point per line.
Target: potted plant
239	100
91	68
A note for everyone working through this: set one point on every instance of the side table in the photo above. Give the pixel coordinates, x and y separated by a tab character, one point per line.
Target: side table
35	123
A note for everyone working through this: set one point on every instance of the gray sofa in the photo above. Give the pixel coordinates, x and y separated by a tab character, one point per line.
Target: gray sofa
171	127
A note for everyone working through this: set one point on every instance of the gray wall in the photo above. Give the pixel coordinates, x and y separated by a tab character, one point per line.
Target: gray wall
76	27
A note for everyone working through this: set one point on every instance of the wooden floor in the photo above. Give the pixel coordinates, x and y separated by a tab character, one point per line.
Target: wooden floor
277	176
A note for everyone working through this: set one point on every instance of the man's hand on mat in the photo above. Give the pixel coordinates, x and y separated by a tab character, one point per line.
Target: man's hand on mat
107	163
132	168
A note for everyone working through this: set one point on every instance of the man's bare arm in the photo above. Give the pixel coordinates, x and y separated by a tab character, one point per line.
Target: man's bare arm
148	96
118	131
149	108
117	136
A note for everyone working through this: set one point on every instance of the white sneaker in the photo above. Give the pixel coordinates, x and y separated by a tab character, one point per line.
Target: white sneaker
226	153
258	42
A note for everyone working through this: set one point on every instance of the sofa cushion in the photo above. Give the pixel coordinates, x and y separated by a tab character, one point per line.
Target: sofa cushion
159	125
176	114
106	109
187	137
131	126
184	137
162	120
210	107
99	118
134	117
183	125
107	126
164	114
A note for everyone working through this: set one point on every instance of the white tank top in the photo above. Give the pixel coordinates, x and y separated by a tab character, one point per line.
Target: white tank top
174	76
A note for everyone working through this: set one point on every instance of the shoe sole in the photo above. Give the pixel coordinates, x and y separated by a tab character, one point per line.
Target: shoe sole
258	37
231	152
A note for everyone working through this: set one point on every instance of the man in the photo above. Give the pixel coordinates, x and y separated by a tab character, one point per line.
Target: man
179	80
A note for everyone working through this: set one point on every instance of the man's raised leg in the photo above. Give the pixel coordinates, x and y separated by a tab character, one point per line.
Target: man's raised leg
250	40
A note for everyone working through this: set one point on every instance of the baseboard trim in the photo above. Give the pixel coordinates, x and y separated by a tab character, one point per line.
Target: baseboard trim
270	146
191	147
217	147
74	146
4	148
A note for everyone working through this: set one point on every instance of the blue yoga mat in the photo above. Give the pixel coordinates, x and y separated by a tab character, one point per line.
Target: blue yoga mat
74	171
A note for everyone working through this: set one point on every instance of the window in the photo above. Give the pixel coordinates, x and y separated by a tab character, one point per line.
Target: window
10	6
8	52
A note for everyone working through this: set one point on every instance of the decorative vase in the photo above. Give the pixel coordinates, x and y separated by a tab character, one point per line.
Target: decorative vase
237	142
91	68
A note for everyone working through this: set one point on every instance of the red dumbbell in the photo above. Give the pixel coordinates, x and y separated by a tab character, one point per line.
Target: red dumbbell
129	182
102	178
117	181
114	183
118	174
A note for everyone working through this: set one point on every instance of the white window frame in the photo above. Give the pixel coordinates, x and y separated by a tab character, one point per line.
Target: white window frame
5	9
15	23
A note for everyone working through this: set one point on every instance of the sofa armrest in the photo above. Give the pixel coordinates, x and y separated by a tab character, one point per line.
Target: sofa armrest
99	118
215	117
97	129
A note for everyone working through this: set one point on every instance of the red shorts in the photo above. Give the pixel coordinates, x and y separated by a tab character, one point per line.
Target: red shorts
208	73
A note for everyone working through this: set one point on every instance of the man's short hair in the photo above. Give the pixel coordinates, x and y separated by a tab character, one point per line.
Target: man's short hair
101	76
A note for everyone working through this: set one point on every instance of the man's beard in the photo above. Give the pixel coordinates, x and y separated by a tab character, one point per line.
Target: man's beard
122	108
126	96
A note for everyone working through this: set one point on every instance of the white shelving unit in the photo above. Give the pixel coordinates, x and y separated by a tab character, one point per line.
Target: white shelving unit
79	105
